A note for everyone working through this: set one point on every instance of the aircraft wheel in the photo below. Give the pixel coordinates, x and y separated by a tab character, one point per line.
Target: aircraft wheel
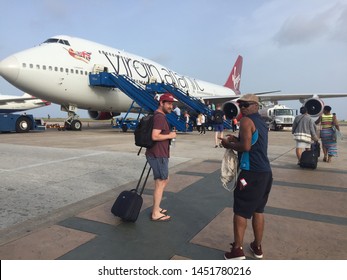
23	124
124	127
76	125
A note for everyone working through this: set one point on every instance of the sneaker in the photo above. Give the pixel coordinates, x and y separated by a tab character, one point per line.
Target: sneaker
235	253
216	146
220	145
257	251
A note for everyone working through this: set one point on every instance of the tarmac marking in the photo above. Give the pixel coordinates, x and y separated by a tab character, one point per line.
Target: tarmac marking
311	187
192	173
46	244
306	216
52	162
319	170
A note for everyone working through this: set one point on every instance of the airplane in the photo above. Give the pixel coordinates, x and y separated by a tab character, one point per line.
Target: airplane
58	70
11	104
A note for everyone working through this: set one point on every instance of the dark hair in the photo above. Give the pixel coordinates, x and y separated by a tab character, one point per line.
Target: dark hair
303	110
327	108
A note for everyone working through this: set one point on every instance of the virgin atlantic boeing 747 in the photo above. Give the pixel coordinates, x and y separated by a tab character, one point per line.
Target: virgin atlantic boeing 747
58	71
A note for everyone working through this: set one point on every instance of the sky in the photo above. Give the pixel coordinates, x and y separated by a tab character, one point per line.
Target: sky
292	46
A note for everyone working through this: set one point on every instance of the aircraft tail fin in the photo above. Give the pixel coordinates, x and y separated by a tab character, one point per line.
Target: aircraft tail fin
234	78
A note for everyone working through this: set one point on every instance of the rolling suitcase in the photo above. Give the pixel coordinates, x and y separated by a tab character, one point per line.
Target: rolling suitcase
309	159
128	204
315	146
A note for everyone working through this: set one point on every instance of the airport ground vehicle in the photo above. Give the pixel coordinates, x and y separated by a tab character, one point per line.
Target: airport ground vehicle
278	116
19	123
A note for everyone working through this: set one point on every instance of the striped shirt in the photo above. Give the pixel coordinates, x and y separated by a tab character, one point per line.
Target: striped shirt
327	121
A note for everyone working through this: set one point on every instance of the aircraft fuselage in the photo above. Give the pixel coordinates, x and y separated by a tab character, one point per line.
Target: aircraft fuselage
58	71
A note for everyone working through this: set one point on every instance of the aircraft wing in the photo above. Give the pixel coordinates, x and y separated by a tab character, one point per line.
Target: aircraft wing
275	96
297	96
4	99
9	103
219	99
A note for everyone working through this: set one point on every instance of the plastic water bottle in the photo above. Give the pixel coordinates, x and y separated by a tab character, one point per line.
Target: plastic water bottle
172	142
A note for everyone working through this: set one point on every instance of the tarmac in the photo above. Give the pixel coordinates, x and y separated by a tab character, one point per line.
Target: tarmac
57	189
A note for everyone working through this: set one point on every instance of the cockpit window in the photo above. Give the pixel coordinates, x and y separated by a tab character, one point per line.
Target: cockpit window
51	40
55	40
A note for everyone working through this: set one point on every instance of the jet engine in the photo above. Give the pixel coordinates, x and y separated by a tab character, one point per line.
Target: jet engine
97	115
314	106
231	109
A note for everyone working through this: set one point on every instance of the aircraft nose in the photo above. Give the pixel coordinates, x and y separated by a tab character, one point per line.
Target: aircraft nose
9	68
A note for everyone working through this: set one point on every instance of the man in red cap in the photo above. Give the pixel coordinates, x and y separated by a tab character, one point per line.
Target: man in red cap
158	155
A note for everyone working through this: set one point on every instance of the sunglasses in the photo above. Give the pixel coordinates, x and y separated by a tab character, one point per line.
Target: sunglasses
246	104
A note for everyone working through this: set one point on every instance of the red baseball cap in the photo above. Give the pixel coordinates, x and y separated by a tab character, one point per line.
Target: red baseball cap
167	97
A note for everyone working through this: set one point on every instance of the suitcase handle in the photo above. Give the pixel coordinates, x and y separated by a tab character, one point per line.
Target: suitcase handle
144	183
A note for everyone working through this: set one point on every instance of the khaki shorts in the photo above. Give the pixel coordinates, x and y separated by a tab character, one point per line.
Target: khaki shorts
303	145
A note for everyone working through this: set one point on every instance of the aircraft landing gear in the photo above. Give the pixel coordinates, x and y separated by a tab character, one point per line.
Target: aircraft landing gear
72	122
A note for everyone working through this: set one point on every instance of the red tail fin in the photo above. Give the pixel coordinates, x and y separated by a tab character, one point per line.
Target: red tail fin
234	78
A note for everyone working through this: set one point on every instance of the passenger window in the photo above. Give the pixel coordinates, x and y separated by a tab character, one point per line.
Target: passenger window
50	68
44	67
37	67
31	65
61	69
56	69
24	65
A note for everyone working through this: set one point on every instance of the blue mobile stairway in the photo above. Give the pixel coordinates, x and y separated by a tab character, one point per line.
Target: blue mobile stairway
136	92
192	102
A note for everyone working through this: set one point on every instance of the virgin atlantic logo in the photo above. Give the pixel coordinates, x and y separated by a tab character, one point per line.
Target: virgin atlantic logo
84	55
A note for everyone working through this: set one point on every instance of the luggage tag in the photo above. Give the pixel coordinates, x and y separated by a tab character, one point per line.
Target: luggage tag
243	183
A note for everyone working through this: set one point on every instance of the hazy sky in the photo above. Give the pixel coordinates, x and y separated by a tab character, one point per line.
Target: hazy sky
292	46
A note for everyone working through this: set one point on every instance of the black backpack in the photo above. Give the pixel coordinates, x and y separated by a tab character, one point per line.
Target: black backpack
218	117
143	132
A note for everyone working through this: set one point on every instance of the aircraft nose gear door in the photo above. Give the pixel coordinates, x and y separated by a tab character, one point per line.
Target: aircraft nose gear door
72	122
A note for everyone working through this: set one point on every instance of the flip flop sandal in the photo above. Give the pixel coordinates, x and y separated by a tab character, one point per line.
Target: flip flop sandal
161	219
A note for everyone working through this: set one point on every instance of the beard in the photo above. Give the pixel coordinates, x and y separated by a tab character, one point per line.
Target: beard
167	110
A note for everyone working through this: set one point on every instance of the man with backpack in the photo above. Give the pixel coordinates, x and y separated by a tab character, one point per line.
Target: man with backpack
218	120
158	155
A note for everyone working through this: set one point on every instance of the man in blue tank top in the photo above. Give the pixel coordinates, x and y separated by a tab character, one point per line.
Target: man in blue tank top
255	179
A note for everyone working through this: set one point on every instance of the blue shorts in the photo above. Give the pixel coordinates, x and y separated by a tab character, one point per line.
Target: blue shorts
219	127
251	193
160	167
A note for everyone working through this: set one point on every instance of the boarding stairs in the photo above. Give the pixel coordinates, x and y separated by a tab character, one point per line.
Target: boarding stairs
137	92
190	101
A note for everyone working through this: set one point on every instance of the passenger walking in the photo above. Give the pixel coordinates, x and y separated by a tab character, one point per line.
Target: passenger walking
158	155
304	131
218	118
177	111
329	125
200	123
255	179
187	120
203	121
